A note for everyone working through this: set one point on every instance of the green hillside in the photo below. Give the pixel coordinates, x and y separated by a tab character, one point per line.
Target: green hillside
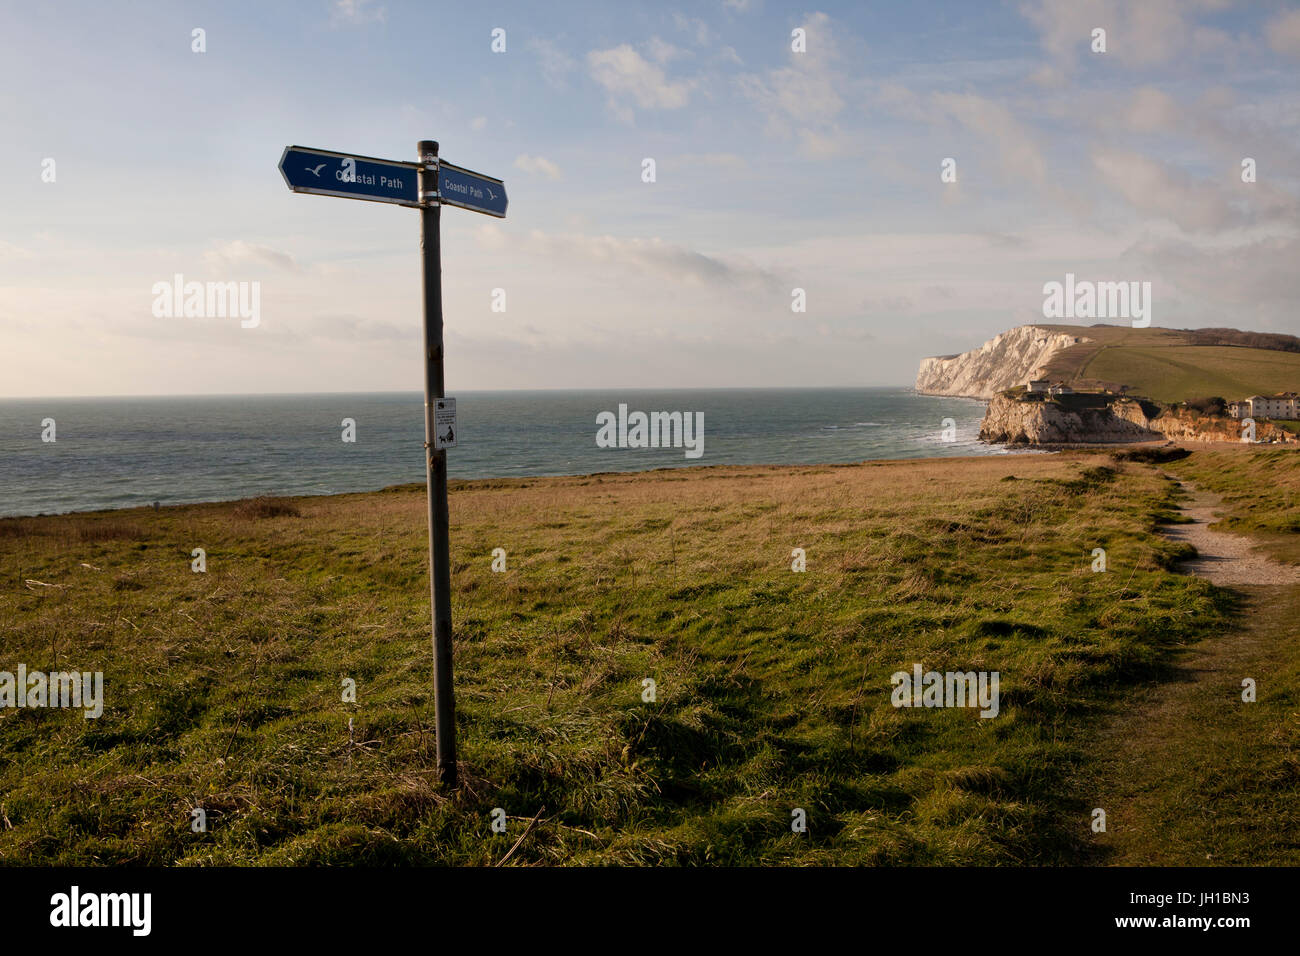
1184	372
1172	365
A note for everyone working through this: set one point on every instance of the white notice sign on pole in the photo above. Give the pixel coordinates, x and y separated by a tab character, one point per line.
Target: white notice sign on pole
444	423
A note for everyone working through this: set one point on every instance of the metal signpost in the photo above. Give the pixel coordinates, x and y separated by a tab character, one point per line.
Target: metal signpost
427	185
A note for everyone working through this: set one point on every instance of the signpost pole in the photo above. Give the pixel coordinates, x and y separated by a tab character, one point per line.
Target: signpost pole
427	185
439	522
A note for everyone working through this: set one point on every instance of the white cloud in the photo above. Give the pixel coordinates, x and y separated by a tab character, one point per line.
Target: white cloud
623	72
797	96
9	251
816	145
653	258
697	29
1152	109
1137	34
1283	33
1214	129
478	124
661	51
1159	189
802	100
357	12
1245	285
349	327
537	164
240	253
717	160
1018	151
555	63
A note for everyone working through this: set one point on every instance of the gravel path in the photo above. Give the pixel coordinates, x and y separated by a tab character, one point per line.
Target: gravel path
1225	559
1165	758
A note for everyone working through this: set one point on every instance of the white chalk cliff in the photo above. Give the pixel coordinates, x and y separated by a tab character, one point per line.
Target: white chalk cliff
1006	360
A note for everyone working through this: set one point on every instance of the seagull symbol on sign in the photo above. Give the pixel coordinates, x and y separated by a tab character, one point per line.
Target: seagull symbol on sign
491	194
316	172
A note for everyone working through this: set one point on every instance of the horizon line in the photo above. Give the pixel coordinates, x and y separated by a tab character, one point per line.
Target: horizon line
455	392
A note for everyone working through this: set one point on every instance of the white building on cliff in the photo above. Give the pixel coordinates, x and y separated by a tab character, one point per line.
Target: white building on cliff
1282	405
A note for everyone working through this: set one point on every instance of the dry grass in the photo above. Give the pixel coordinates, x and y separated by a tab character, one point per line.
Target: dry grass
773	687
264	507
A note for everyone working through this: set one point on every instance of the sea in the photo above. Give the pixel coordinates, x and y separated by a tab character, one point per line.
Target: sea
129	452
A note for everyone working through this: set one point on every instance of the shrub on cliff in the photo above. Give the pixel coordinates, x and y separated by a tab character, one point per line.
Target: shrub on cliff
1153	456
1208	406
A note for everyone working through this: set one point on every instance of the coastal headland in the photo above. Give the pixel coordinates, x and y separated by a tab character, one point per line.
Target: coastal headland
1107	384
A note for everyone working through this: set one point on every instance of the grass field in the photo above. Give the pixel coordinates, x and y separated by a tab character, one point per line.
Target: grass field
1179	373
223	689
1173	365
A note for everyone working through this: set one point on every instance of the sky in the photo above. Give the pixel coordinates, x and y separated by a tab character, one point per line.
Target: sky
127	156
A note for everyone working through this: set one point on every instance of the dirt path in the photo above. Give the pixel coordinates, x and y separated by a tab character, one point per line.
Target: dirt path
1188	773
1225	559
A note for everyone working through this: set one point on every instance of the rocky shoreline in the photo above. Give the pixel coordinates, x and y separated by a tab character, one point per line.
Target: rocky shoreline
1015	420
